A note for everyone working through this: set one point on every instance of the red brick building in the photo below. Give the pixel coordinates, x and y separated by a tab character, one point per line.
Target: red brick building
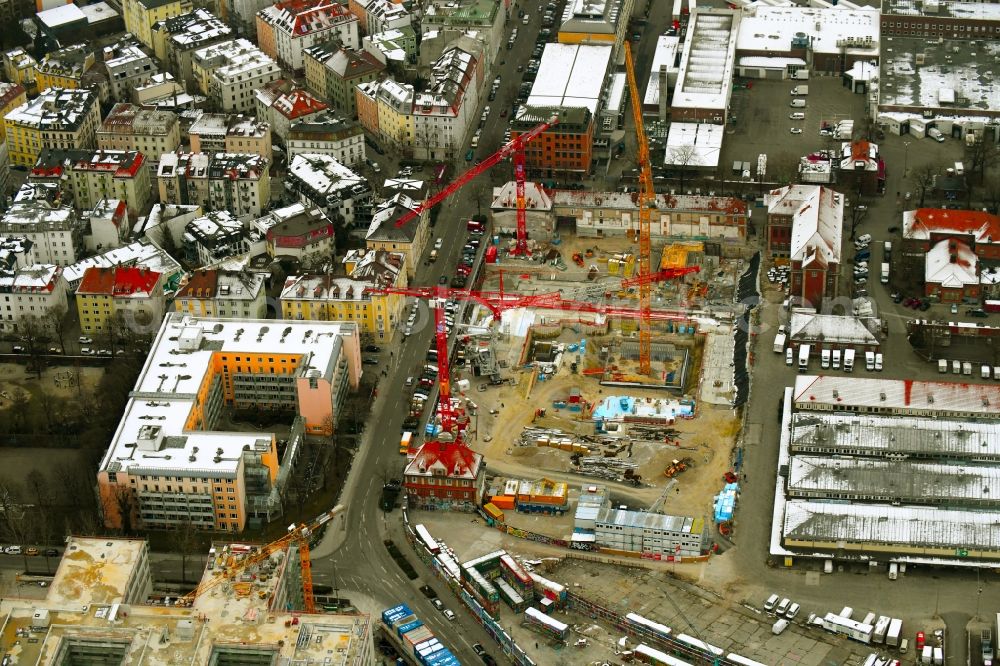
445	476
947	249
563	150
805	224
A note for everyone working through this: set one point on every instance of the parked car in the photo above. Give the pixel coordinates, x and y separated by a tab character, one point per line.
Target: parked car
796	130
369	361
12	550
976	312
865	238
792	611
51	552
771	602
438	604
921	641
449	614
373	349
84	340
32	551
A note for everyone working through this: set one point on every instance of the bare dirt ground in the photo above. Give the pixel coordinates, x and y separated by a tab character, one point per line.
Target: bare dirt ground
59	382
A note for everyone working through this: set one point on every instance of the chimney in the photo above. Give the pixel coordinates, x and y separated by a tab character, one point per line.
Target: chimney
662	111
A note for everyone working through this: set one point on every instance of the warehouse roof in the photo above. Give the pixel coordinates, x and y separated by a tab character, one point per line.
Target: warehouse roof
832	329
828	30
870	435
906	396
895	525
905	480
570	75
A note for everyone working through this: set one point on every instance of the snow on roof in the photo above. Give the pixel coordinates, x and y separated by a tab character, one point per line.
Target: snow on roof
323	173
665	54
167	388
887	524
917	438
99	11
706	69
535	198
570	75
453	459
952	64
831	329
33	278
61	15
905	396
119	281
770	62
817	226
951	264
693	144
862	70
55	109
141	253
983	11
828	30
923	223
907	480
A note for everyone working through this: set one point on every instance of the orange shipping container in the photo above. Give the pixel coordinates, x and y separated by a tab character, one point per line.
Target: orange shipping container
503	501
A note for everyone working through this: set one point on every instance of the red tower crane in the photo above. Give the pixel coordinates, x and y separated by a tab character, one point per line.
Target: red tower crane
515	146
499	301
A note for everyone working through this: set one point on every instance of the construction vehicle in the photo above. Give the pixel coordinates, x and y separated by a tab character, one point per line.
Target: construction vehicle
296	535
676	467
578	259
515	148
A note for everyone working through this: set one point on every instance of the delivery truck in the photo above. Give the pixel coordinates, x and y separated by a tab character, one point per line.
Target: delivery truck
779	343
803	358
895	629
800	90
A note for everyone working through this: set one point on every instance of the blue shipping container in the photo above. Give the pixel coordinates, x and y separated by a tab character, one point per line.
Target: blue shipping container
395	611
404	629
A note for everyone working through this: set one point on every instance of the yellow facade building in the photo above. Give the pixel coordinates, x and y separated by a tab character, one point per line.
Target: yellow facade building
328	298
64	68
58	118
12	95
141	15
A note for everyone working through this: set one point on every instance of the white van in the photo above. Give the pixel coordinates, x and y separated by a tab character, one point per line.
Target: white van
798	115
778	627
836	359
798	103
984	372
956	367
893	571
824	356
869	360
828	565
942	366
878	362
789	356
803	358
848	360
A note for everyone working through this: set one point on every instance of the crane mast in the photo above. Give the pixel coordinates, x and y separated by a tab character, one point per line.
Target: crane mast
647	198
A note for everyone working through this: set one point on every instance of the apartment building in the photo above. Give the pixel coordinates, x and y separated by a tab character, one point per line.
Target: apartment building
131	127
65	67
445	476
324	297
410	239
175	39
140	254
332	71
378	15
13	11
566	149
120	295
326	134
57	118
214	236
306	369
394	46
235	182
36	292
218	293
127	66
286	29
299	231
89	176
443	21
19	67
12	95
16	252
283	109
53	227
108	224
229	72
230	133
322	181
142	15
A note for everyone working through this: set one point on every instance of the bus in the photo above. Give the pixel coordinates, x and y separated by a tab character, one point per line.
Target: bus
647	655
404	442
647	627
426	538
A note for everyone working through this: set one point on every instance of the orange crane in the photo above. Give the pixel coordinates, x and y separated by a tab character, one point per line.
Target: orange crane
646	200
297	534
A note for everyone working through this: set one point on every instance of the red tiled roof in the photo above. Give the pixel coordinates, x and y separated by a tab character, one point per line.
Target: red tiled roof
298	103
201	284
117	281
983	226
458	460
860	150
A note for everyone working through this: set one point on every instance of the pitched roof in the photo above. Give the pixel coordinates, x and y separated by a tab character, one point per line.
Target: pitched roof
952	264
817	225
453	459
118	281
297	103
921	223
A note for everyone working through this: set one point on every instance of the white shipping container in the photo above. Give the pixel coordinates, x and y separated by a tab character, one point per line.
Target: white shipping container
881	627
895	629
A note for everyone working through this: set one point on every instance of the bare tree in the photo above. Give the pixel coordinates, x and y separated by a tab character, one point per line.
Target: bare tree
38	486
123	502
57	323
859	213
33	334
19	410
923	180
981	155
680	158
991	193
14	515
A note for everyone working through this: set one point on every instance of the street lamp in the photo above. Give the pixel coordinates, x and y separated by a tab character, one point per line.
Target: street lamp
906	155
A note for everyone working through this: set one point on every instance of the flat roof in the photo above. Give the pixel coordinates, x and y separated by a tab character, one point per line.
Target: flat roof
693	144
570	75
168	384
885	524
61	15
905	480
957	69
706	69
979	11
665	54
828	29
95	571
894	436
906	396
